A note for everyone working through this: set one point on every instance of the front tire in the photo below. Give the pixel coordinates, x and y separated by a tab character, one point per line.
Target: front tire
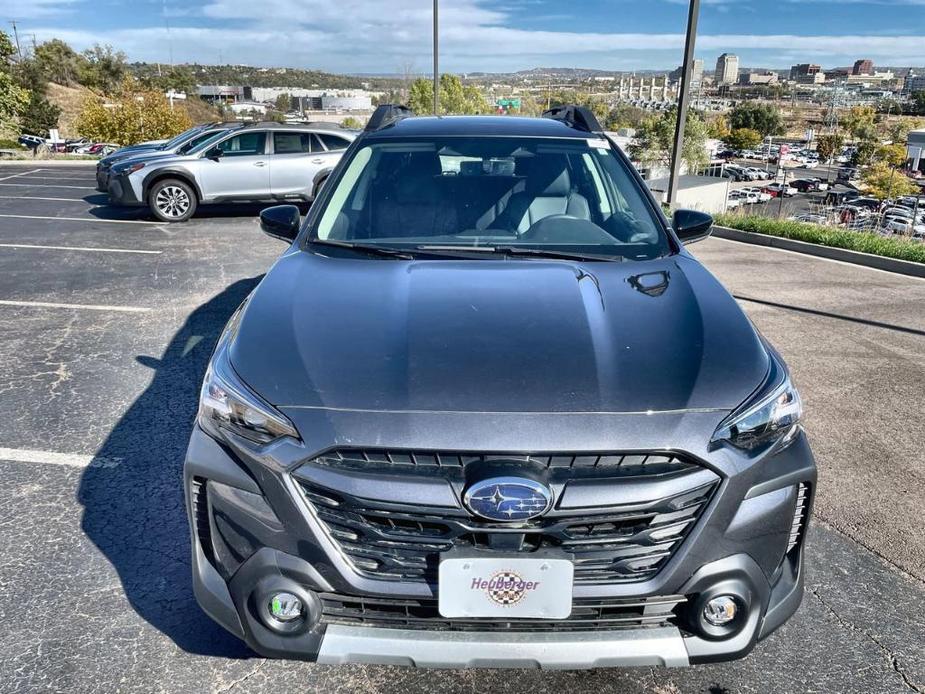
172	200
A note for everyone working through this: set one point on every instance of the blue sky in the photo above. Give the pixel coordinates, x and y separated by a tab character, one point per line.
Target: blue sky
493	35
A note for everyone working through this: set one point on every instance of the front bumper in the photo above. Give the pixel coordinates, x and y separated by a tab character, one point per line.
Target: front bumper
122	192
256	505
102	178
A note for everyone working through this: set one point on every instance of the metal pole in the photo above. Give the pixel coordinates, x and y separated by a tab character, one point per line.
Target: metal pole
436	57
683	100
16	37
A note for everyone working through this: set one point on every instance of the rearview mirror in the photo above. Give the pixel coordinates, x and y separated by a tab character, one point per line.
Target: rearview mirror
214	153
692	226
281	222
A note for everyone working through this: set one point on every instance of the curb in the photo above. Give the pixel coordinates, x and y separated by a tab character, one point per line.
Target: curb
48	163
878	262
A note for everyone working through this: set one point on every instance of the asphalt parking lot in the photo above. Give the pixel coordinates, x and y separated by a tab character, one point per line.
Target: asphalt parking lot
107	320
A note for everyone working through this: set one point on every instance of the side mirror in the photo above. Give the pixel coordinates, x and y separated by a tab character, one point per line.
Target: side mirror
691	225
215	153
281	222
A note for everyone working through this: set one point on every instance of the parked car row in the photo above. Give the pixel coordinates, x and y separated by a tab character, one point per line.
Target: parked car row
70	146
746	173
905	216
223	162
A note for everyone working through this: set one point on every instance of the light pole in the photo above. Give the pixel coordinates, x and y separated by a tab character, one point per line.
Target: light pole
683	100
436	58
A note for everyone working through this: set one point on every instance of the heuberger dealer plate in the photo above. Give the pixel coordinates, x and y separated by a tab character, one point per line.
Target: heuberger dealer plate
505	587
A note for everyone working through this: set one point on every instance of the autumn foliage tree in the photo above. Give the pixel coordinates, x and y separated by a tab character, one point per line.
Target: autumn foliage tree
455	97
743	138
131	115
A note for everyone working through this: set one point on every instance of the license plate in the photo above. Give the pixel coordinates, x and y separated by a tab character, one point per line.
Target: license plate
505	587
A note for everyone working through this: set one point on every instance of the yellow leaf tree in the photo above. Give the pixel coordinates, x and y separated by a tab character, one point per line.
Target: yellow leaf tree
882	182
131	115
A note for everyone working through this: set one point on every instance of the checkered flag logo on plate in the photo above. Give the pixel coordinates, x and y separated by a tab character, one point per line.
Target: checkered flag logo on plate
506	588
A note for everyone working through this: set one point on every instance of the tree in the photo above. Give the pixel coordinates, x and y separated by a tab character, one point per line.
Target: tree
179	78
860	122
7	50
882	181
624	115
131	116
59	62
455	97
894	155
13	98
351	122
654	138
763	118
39	115
102	69
864	152
718	128
918	103
743	138
827	146
283	103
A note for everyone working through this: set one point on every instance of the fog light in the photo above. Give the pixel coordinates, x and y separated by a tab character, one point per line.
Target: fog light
285	607
720	610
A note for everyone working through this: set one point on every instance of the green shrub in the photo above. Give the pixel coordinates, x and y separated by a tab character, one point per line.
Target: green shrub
10	144
865	242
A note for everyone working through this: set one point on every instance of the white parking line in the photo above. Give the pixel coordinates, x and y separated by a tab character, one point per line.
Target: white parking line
78	219
36	197
19	174
44	185
88	307
89	179
78	248
78	460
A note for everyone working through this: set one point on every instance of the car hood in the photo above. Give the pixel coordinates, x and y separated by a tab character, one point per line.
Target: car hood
126	152
496	336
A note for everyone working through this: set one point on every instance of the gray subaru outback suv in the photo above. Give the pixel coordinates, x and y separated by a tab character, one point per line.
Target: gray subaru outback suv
486	410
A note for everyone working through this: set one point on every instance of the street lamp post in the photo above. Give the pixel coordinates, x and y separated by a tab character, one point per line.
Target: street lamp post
436	58
683	100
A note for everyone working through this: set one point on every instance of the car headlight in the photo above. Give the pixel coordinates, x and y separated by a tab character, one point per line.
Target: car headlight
773	416
226	403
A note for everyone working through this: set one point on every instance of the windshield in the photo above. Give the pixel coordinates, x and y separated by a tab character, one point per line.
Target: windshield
207	142
182	137
563	195
198	140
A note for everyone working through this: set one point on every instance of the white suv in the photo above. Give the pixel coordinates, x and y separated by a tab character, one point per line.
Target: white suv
260	162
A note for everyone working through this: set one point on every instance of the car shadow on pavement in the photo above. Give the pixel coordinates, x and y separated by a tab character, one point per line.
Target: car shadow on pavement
838	316
132	493
103	210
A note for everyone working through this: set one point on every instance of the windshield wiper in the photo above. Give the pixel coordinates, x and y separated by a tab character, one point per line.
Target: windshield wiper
525	250
365	248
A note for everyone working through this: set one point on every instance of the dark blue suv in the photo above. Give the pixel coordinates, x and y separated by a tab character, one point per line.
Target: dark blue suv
486	410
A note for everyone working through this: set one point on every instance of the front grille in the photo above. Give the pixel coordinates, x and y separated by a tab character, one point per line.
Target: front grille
587	614
634	464
799	516
386	540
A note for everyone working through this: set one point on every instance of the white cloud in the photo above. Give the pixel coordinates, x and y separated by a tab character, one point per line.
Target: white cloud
360	35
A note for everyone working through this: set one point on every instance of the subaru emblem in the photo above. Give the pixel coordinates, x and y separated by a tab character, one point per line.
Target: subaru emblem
508	499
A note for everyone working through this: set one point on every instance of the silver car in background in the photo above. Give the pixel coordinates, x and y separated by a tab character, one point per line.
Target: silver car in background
187	139
256	162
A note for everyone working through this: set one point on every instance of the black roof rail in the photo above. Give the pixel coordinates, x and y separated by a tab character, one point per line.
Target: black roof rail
575	117
386	115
